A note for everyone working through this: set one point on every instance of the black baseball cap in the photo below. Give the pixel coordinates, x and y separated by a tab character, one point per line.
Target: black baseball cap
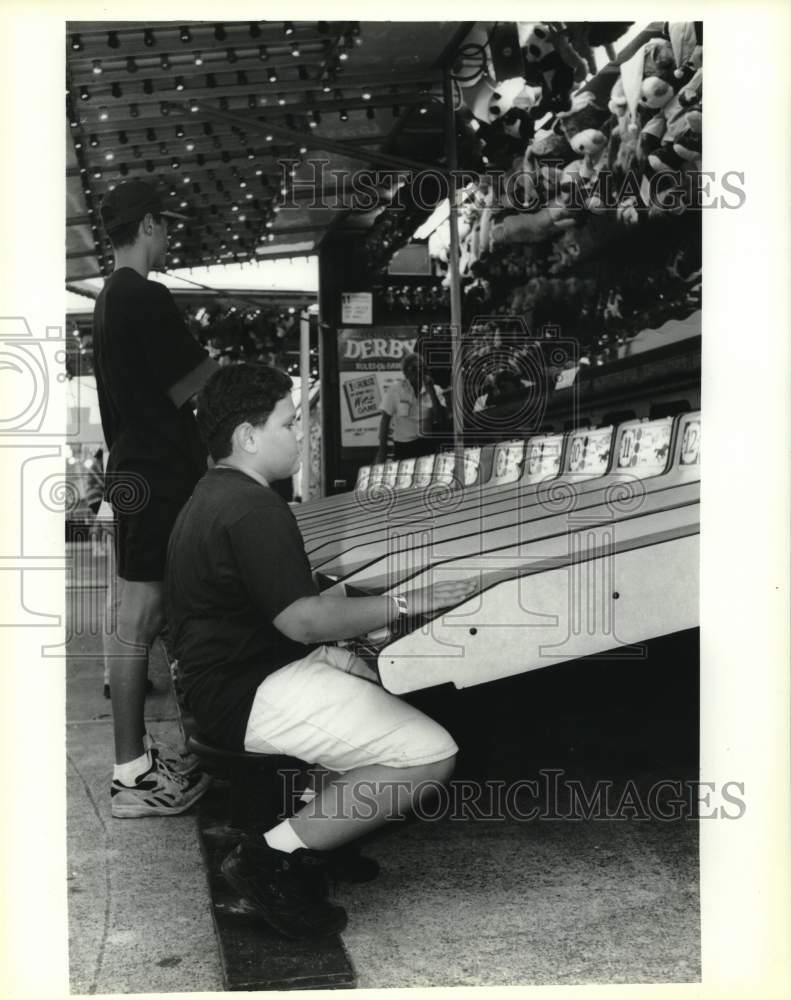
129	202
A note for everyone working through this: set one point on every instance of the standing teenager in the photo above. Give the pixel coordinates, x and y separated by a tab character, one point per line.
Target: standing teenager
148	368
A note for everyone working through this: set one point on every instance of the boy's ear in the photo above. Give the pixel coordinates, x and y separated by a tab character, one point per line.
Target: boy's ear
238	436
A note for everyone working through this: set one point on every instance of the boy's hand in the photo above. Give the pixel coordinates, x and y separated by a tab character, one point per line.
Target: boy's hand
440	595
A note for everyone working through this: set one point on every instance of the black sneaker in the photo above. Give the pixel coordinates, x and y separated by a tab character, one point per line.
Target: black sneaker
346	864
285	889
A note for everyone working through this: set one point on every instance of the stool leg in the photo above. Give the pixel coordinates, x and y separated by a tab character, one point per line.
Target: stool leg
260	795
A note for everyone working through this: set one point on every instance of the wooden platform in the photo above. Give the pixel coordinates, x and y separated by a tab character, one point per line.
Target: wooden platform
253	956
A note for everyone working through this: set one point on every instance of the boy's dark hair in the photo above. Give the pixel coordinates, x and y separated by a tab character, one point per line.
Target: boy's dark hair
236	395
125	235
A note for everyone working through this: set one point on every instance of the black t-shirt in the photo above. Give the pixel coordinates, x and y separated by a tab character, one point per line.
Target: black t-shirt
236	559
141	348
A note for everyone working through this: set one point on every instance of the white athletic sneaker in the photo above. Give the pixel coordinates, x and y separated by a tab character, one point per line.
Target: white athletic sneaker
159	791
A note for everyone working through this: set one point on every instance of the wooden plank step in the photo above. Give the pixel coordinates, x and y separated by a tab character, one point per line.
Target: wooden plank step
253	956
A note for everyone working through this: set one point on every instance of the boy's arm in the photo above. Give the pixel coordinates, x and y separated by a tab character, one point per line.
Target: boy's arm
274	568
326	619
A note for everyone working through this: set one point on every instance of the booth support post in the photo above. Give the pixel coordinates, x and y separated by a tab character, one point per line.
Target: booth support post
304	392
453	275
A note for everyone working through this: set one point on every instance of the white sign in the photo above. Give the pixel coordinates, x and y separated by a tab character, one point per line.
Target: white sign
643	448
444	468
690	443
472	462
357	307
369	361
543	456
508	459
589	452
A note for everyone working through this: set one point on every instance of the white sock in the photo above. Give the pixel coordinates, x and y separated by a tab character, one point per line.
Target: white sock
283	838
128	773
308	795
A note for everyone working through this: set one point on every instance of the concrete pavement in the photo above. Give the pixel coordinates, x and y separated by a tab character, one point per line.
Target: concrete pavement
139	907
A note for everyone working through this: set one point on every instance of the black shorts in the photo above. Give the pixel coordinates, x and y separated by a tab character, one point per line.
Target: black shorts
414	449
141	539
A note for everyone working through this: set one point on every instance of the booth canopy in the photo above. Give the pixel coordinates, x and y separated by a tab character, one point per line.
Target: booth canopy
206	110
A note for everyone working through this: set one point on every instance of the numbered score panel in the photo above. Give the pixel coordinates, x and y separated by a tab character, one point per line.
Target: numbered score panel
403	540
393	489
374	482
416	473
541	484
604	597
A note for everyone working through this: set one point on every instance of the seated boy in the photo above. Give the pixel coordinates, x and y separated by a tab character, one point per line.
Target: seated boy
249	627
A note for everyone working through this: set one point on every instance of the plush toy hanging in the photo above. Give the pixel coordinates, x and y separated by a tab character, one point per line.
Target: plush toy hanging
682	141
686	40
658	70
657	116
439	243
486	221
517	123
527	258
497	146
648	80
583	127
552	63
622	145
483	99
520	185
551	146
534	227
478	294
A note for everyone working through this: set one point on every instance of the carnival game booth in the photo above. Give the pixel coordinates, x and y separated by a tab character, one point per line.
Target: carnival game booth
569	260
528	226
579	542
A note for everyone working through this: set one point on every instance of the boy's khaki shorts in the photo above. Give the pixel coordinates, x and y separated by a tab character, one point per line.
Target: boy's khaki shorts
329	709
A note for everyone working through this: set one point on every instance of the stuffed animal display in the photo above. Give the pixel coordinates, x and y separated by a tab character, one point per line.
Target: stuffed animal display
579	162
581	216
657	105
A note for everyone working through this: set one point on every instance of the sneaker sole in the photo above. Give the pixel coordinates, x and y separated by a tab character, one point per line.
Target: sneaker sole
238	884
139	811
